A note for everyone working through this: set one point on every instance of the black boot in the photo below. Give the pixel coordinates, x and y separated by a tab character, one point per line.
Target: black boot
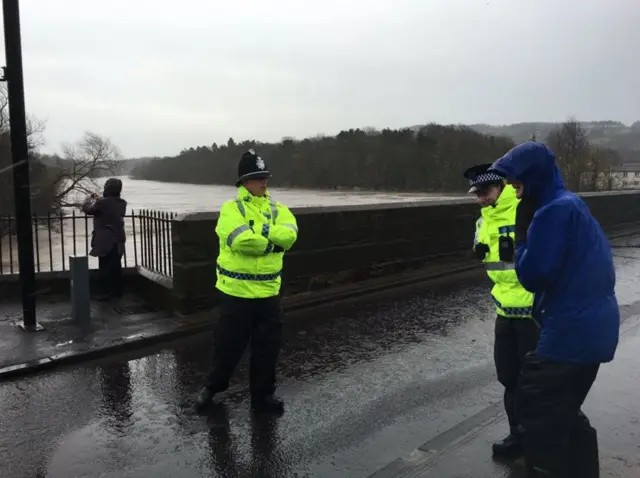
268	403
584	461
510	447
204	399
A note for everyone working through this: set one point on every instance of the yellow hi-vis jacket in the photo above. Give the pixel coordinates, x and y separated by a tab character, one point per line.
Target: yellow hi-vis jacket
509	297
254	233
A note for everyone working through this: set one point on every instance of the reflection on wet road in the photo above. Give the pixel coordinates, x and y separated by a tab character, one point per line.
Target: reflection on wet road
364	382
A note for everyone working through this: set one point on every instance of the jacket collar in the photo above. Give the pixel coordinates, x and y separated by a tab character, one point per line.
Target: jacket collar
245	196
506	200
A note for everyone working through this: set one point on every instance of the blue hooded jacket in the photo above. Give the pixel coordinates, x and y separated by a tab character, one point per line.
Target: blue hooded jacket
566	261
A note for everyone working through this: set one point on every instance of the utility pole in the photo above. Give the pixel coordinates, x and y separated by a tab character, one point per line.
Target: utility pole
20	156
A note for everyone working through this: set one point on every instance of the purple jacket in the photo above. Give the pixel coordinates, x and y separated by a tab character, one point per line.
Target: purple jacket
108	219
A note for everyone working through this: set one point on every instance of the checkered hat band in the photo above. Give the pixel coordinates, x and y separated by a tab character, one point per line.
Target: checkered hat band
486	178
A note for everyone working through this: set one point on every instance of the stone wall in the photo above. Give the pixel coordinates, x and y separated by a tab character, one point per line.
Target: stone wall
347	244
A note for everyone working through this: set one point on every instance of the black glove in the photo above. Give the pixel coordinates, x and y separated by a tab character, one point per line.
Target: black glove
524	215
481	250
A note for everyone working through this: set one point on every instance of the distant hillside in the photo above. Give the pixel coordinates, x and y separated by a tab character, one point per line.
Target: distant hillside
610	134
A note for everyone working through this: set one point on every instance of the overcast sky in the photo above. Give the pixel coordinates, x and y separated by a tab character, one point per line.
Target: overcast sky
157	76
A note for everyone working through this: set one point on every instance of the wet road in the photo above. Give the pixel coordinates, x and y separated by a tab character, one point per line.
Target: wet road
364	383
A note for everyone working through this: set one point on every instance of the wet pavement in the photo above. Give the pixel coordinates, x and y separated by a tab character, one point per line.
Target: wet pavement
365	382
463	451
132	323
113	325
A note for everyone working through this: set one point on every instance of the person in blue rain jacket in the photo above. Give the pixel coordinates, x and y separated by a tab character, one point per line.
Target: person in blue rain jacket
564	258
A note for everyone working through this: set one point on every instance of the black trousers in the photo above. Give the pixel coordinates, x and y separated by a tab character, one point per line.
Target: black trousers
559	440
244	321
514	337
110	273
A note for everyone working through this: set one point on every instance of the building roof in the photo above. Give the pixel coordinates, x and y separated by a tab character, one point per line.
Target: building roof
627	167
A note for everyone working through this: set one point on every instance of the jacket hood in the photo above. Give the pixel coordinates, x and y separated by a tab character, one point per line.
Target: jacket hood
112	187
507	197
534	165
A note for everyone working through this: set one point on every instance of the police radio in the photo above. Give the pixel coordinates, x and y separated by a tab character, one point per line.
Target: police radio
506	248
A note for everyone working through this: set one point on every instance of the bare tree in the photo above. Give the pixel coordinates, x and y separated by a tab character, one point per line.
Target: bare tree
91	157
35	127
54	180
584	165
573	151
594	176
602	166
37	171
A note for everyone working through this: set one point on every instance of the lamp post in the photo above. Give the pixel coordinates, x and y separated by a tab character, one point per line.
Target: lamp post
20	160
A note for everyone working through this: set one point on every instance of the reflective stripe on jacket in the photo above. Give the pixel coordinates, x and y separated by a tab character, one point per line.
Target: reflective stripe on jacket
509	297
254	233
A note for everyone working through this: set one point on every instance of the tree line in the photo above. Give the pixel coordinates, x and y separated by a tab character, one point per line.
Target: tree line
431	158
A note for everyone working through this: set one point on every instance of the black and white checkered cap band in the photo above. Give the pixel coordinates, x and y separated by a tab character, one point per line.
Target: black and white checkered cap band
485	178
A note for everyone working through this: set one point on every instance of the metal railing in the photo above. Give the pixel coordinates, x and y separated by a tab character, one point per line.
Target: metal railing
55	237
155	241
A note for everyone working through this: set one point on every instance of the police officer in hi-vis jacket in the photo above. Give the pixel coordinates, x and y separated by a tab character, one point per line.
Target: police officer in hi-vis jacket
516	333
255	232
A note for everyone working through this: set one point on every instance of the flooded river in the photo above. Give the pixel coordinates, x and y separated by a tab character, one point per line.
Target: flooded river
177	198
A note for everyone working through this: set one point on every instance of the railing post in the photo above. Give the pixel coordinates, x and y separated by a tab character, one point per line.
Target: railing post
149	222
144	234
10	245
166	243
37	241
158	244
80	289
171	219
75	239
61	216
50	241
86	234
135	238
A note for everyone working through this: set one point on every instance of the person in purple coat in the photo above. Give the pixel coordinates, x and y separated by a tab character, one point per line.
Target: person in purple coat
108	236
